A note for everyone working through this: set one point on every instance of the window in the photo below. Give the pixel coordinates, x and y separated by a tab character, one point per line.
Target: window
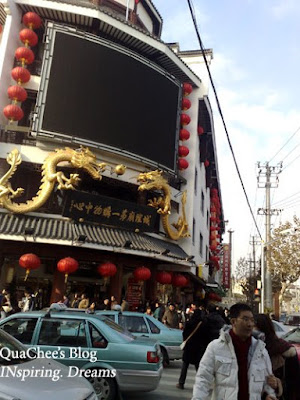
21	328
63	333
133	324
207	253
207	219
201	244
196	181
97	339
153	327
202	202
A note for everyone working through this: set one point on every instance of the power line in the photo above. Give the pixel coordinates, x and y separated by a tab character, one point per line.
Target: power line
290	163
221	113
285	143
286	198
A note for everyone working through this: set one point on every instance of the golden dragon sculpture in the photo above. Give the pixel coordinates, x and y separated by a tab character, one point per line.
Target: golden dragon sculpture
82	158
155	181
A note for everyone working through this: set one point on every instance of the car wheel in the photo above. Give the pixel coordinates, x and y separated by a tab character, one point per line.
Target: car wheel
166	361
105	388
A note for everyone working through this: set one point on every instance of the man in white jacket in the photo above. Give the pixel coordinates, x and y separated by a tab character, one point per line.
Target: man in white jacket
235	366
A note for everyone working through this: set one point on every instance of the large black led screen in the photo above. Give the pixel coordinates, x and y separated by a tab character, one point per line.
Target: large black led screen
102	93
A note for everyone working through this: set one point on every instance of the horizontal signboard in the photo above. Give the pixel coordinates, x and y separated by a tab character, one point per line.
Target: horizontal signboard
109	211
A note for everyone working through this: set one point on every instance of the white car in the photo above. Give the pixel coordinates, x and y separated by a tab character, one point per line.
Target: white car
23	376
280	328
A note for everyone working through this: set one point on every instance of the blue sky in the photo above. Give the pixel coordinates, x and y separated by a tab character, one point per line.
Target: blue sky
256	69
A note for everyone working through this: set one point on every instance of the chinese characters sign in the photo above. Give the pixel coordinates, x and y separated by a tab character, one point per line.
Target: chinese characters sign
109	211
226	266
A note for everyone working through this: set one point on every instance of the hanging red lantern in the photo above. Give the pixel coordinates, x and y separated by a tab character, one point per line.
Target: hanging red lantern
163	277
25	55
214	191
107	269
28	37
67	266
206	163
13	112
30	262
200	130
187	89
32	20
20	75
185	104
184	119
184	134
213	247
179	280
17	93
182	164
183	151
142	273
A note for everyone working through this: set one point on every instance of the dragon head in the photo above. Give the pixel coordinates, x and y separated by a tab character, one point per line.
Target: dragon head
85	159
150	180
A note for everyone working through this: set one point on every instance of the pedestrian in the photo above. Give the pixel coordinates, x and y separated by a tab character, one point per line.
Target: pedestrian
6	307
159	311
170	317
105	305
113	302
84	302
148	311
236	365
124	305
212	324
38	299
66	300
27	304
281	353
76	301
192	352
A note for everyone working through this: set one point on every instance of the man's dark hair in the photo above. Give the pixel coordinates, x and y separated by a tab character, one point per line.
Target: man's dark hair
237	308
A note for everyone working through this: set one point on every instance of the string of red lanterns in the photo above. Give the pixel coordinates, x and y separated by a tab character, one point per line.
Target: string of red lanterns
185	119
25	56
215	211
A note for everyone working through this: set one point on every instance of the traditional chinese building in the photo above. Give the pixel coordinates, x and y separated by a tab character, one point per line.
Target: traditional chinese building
107	154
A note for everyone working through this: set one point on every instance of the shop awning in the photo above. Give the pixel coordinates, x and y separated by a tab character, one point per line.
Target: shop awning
40	228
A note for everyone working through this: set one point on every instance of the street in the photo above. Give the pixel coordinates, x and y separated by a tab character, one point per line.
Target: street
167	388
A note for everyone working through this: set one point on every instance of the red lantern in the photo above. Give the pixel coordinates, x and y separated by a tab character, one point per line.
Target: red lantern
179	280
67	266
28	37
213	247
187	89
163	277
142	273
20	75
25	55
184	119
30	262
185	104
32	20
183	151
182	164
200	130
184	134
13	112
107	269
214	192
17	93
1	29
206	163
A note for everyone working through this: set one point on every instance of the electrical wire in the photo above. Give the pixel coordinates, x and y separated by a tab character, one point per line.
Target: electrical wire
290	138
286	198
221	113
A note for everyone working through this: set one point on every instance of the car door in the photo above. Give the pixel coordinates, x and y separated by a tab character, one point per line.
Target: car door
65	338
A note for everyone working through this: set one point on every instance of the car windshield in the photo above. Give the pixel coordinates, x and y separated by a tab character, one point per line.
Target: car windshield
12	352
127	335
293	336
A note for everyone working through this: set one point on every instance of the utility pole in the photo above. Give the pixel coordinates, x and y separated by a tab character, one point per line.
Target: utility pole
268	178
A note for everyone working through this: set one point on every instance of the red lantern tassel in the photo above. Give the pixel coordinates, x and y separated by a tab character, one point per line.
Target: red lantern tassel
26	275
66	278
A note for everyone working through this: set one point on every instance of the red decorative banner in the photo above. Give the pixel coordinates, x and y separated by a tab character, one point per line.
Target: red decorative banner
226	266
